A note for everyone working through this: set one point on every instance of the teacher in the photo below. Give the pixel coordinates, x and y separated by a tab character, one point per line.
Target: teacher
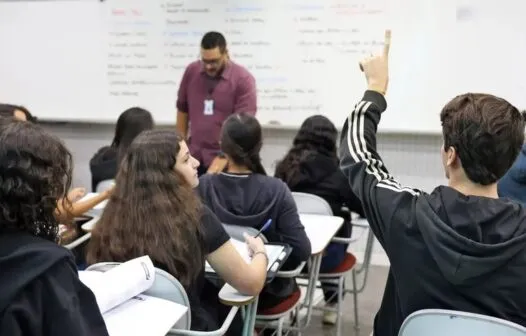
212	89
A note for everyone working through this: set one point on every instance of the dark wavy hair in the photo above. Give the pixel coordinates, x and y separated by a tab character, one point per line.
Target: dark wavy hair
152	211
317	135
35	172
130	124
487	133
241	140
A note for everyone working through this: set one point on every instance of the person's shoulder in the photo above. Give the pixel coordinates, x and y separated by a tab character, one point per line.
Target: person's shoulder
273	184
240	70
193	67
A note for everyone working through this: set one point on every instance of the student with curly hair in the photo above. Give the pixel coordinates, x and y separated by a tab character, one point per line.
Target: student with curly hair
41	293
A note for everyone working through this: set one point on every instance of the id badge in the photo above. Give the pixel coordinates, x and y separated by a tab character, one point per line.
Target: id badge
209	107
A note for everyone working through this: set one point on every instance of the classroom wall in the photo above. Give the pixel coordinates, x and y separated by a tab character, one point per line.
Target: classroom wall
413	159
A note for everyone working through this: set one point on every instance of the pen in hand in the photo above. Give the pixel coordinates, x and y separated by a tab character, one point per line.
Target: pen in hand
265	226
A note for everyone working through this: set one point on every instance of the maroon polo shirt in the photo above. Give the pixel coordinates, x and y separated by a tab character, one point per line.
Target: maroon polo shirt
233	92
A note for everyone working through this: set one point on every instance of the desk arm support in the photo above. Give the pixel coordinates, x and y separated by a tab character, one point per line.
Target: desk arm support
293	273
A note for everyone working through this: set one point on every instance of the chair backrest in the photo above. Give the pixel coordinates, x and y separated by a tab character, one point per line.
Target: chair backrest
104	185
439	322
236	232
165	287
311	204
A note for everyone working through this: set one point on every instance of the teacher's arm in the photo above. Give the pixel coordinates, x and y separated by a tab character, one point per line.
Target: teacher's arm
246	96
181	123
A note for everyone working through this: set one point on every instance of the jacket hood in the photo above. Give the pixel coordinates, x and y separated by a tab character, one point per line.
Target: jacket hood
314	169
247	202
470	236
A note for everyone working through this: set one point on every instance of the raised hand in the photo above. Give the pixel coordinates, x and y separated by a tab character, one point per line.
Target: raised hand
376	68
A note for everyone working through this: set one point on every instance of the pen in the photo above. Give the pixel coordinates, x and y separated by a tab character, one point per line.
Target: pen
265	226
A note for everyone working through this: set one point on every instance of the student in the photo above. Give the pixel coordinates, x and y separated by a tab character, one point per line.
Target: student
312	166
243	195
460	247
154	211
41	293
513	183
104	164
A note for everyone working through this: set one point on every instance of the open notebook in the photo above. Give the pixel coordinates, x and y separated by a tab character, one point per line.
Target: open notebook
125	310
274	253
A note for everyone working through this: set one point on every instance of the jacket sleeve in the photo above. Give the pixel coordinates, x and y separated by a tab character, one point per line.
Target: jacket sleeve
291	230
385	202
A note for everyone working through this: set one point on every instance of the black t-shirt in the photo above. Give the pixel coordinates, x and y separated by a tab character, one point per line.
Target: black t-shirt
215	236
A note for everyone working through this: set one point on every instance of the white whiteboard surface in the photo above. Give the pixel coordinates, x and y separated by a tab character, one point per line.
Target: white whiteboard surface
89	60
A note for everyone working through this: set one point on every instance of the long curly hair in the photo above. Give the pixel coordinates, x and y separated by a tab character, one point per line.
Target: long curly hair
317	135
152	211
35	172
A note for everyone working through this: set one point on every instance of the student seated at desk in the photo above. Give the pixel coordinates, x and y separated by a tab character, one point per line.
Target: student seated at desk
154	211
40	292
243	195
104	164
460	247
312	166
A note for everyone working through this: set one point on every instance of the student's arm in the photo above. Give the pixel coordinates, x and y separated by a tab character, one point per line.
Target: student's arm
246	96
182	105
349	198
68	210
291	231
381	195
229	265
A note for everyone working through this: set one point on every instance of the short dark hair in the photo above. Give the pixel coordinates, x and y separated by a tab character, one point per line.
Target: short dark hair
129	125
487	133
35	172
8	110
213	40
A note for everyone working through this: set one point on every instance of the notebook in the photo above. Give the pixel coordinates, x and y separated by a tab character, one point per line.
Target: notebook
126	311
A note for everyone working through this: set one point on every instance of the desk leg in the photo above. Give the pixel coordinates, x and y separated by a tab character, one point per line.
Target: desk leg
249	321
314	272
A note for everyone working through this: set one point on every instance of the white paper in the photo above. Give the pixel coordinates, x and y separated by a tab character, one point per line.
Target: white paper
143	315
125	310
121	282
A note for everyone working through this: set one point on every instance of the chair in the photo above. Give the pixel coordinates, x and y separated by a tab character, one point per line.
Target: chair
312	204
169	288
104	185
440	322
279	313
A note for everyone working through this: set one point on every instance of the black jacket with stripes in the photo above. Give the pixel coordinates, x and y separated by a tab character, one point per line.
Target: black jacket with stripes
447	250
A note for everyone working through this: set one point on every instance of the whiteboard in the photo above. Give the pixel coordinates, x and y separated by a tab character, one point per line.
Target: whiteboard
88	61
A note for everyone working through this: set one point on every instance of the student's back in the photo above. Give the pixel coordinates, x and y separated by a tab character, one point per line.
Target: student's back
40	292
460	247
252	199
243	195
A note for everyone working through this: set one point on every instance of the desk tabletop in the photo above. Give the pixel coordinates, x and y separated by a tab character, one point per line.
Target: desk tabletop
320	229
228	295
89	226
